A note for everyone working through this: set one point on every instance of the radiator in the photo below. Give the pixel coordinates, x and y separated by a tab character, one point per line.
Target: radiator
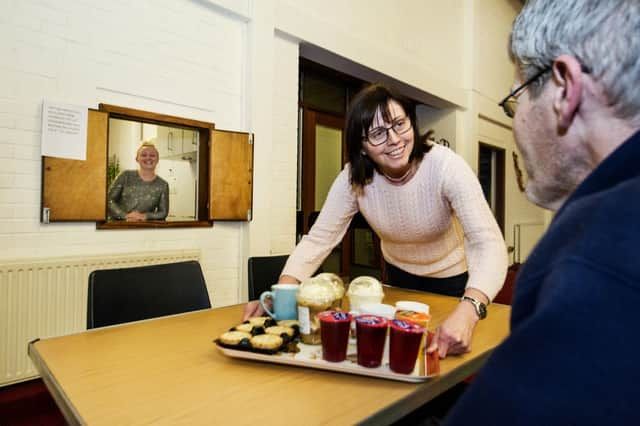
48	297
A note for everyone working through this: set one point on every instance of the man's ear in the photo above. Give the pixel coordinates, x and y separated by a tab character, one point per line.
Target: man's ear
567	74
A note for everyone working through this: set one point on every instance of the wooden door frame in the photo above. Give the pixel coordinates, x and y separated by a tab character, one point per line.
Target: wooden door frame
310	119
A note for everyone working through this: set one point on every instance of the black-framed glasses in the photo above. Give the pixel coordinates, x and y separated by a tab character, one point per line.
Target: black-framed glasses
380	135
510	103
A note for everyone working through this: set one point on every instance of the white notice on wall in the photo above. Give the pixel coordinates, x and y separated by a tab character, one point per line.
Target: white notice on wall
64	130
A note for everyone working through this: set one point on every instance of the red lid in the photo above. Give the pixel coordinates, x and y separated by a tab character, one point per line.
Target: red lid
334	316
406	326
372	320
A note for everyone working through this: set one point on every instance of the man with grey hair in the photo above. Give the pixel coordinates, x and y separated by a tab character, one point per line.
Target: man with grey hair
571	357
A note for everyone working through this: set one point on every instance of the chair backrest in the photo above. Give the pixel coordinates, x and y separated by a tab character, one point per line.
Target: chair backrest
131	294
505	295
264	271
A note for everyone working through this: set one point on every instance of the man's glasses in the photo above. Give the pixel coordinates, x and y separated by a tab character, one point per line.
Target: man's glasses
380	135
510	103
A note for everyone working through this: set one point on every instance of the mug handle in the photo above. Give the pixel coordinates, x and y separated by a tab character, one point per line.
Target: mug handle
263	296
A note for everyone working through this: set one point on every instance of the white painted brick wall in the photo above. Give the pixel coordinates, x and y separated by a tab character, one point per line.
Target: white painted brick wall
284	155
183	58
175	57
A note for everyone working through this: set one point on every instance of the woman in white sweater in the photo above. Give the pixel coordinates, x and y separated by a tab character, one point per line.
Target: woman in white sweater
436	230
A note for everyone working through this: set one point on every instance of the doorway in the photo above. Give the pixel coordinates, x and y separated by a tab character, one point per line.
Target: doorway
323	157
323	99
491	177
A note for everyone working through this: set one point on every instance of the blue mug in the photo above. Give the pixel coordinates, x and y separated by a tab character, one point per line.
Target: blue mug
285	301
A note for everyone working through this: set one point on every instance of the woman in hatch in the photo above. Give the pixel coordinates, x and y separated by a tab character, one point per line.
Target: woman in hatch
139	195
436	230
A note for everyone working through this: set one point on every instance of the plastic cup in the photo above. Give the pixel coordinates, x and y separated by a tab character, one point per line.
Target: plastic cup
309	323
421	318
380	309
364	290
409	305
405	341
334	335
371	333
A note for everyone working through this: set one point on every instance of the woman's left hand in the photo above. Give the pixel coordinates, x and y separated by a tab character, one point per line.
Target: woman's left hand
454	335
136	216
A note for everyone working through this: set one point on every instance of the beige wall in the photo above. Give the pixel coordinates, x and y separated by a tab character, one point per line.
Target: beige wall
454	54
492	81
234	63
418	42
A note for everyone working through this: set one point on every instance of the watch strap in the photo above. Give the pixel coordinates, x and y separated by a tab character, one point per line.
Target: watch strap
481	308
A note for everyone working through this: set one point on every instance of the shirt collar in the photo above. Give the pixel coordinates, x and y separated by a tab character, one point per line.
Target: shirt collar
621	165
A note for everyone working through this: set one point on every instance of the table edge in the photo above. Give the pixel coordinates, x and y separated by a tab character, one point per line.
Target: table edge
384	415
419	397
69	412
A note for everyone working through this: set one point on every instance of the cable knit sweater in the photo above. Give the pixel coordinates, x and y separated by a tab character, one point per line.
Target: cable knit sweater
437	224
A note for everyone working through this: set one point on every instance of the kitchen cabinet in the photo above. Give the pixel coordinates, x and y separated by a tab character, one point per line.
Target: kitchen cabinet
170	142
189	141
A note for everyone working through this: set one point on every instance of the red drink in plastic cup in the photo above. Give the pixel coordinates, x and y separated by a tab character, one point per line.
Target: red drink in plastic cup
371	333
334	334
405	339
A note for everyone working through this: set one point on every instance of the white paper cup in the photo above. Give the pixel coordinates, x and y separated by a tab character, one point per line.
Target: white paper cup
380	309
407	305
356	301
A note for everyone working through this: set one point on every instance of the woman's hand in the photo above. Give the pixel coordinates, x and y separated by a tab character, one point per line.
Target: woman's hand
454	335
252	309
135	216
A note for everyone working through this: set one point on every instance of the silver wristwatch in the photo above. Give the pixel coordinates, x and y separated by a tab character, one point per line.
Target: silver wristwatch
481	308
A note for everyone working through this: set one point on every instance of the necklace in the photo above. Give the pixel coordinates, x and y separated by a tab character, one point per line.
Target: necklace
402	179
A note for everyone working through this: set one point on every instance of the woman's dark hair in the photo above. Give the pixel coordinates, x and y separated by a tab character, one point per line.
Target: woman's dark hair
362	111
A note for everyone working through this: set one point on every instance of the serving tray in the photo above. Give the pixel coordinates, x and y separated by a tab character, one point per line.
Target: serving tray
310	356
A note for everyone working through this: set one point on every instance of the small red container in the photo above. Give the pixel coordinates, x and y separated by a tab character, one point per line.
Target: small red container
371	334
404	342
334	334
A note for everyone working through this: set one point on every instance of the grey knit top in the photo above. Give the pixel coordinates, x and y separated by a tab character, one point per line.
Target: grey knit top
129	192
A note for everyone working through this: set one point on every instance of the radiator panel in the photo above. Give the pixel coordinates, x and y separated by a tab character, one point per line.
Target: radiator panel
41	298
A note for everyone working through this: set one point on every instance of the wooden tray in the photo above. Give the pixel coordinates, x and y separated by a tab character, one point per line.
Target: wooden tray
310	356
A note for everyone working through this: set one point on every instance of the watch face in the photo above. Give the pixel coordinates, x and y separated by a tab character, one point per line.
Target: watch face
482	310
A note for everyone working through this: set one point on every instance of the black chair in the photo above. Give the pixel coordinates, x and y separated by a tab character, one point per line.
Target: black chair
264	271
131	294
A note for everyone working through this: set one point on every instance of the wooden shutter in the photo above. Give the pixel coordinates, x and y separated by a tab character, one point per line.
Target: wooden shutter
230	175
76	190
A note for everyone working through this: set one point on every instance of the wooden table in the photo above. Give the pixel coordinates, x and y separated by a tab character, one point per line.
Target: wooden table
168	371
